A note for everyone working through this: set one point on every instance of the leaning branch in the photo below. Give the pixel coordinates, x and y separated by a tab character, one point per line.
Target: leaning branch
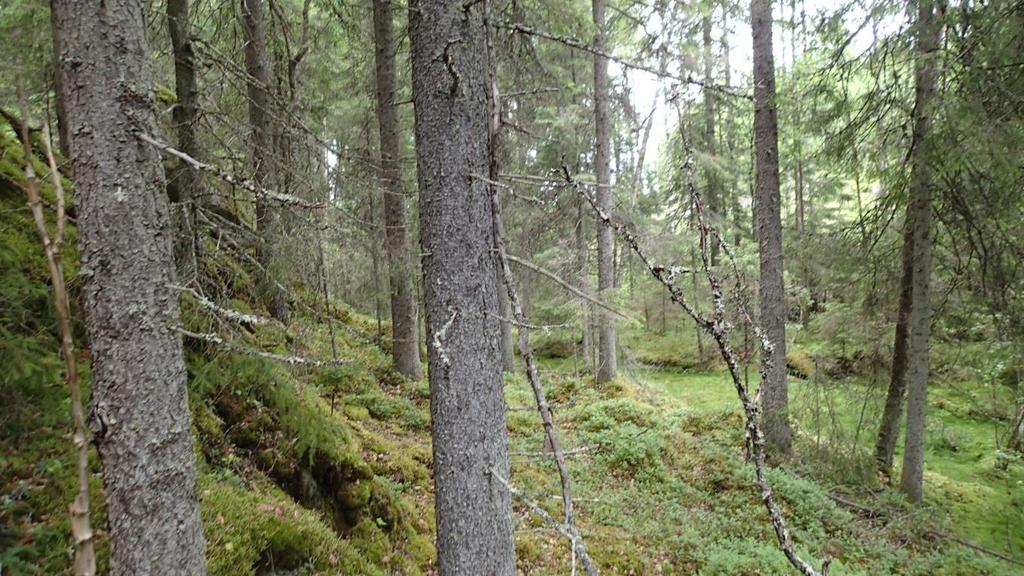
531	266
233	315
533	375
719	327
292	360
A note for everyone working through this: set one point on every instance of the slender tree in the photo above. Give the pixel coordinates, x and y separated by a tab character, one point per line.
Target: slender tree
262	156
774	393
139	403
925	79
185	179
470	441
713	195
405	347
607	366
892	415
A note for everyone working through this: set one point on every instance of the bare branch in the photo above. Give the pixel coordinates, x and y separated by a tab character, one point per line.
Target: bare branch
292	360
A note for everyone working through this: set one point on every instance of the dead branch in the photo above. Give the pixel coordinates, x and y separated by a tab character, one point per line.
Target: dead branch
244	183
291	360
584	46
526	351
566	285
566	530
81	528
233	315
719	327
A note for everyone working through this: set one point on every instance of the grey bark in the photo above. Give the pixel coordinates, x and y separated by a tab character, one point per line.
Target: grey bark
774	392
185	179
892	415
508	361
925	78
586	309
405	347
257	87
139	404
449	75
60	96
607	366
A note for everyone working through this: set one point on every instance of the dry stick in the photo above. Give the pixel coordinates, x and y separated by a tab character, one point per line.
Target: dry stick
585	47
566	285
233	315
719	328
526	351
293	360
244	183
872	514
81	530
566	530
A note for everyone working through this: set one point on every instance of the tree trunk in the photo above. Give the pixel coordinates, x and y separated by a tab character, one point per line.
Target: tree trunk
405	347
607	366
889	428
185	179
60	96
586	309
267	218
774	393
714	204
449	75
139	403
925	78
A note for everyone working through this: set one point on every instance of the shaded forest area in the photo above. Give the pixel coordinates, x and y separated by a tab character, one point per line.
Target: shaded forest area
511	287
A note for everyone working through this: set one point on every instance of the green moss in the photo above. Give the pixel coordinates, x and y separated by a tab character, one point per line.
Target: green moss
249	531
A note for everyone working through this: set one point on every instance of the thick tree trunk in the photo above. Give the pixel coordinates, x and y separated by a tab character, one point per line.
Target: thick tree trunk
139	403
607	366
925	78
774	393
267	218
449	74
889	428
405	347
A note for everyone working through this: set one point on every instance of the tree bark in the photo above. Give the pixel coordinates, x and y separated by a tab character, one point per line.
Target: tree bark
449	74
139	403
925	78
889	428
405	347
774	393
257	91
713	195
185	178
586	309
607	365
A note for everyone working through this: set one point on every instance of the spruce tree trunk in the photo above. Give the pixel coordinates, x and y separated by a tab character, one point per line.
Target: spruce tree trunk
607	366
774	392
185	179
470	442
889	428
267	218
586	309
139	404
925	78
405	347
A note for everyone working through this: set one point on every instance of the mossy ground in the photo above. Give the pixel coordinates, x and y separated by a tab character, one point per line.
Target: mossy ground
663	488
